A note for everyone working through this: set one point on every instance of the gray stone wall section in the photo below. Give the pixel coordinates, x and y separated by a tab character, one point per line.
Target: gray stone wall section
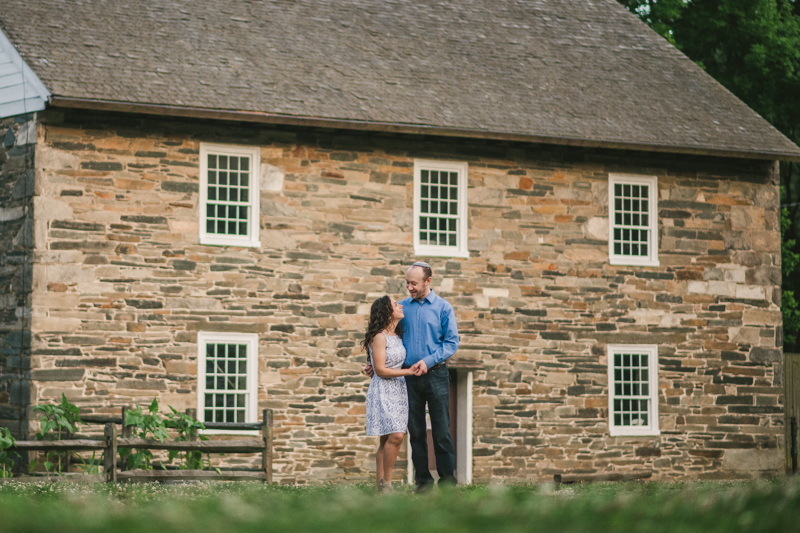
17	150
122	286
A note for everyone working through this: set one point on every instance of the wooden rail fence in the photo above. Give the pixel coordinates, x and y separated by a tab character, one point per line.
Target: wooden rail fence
114	439
791	380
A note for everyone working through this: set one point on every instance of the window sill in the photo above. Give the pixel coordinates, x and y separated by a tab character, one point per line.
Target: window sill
630	432
206	241
423	251
623	261
240	432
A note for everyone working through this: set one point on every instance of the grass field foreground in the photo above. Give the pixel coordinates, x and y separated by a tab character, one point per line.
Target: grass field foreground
768	506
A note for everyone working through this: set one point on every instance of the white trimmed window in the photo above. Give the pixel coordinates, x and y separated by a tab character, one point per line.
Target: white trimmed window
229	197
440	208
633	390
632	209
227	377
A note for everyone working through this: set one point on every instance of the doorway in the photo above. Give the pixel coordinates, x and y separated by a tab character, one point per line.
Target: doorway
460	428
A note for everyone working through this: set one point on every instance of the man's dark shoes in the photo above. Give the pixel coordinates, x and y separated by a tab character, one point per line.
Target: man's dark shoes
423	488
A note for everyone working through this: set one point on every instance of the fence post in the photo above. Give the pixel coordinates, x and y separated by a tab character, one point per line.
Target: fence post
126	430
793	450
110	458
191	412
266	455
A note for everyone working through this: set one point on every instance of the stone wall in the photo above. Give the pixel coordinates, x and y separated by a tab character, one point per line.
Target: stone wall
122	286
17	149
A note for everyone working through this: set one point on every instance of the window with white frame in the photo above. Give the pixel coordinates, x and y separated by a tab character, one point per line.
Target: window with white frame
440	209
227	377
229	196
632	209
633	390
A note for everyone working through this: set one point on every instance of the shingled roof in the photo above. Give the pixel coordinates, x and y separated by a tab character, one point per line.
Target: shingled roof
582	72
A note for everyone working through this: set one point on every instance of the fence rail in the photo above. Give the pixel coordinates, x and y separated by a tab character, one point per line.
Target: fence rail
631	475
114	439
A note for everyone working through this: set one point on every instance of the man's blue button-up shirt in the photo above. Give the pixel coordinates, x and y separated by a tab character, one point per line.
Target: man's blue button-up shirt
430	331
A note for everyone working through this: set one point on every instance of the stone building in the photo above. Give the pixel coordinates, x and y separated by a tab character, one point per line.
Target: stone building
199	202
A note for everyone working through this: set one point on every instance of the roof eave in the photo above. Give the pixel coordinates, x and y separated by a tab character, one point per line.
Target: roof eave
414	129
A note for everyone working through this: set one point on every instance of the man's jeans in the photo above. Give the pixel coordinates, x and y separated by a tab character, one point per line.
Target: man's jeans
432	388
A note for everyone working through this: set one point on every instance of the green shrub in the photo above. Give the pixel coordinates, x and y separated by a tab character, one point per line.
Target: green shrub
186	427
57	422
6	442
144	425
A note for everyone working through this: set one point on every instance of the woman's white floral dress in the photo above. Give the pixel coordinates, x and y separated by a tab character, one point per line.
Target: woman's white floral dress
387	399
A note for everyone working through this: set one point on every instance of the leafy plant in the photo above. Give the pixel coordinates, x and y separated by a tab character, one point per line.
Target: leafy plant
144	425
58	422
186	427
60	419
92	465
6	442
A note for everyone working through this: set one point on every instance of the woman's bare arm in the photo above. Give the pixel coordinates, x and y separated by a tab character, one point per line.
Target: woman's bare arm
379	360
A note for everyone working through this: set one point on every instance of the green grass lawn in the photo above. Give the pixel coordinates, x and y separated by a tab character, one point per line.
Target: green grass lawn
769	506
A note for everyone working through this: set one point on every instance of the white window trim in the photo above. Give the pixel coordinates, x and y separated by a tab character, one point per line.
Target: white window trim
252	239
251	409
634	431
463	230
652	182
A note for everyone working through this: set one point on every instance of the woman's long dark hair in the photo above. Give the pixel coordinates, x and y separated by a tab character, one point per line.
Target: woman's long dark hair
380	316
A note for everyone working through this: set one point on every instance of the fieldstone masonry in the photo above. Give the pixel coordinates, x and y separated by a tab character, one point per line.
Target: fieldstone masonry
17	151
121	287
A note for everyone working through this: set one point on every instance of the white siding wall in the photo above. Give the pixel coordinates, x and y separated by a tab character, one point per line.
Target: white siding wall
21	91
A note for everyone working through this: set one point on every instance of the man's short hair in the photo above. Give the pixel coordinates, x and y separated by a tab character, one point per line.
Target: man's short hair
427	272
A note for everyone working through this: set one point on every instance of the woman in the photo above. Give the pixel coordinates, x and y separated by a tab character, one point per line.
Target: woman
387	398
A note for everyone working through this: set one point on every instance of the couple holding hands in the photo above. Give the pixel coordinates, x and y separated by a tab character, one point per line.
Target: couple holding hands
408	344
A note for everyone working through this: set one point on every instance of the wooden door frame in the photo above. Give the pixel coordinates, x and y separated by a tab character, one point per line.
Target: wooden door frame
463	423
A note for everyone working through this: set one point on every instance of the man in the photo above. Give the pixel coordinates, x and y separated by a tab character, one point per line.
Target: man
431	336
